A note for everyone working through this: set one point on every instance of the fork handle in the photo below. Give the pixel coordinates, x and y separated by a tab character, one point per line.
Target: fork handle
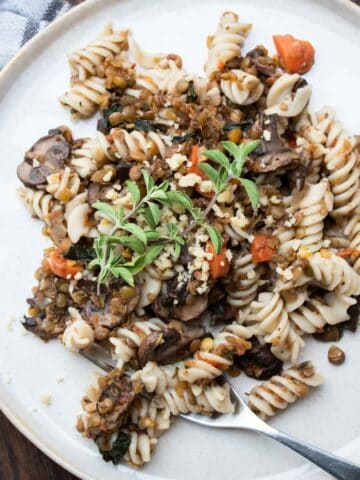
339	468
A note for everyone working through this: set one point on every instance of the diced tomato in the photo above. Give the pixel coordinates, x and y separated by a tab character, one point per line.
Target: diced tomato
263	248
61	266
347	252
296	56
195	160
219	264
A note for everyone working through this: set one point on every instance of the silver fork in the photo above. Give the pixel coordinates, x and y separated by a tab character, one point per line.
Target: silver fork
244	419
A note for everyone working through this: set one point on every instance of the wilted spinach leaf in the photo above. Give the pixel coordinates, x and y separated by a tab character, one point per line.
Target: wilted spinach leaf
184	138
144	125
80	252
245	125
118	448
191	95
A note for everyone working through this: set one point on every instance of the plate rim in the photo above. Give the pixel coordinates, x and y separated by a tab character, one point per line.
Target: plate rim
25	52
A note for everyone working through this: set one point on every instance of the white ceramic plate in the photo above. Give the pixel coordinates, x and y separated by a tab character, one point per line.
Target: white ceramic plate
29	87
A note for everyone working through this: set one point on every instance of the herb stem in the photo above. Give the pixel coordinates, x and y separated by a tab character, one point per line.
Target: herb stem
207	210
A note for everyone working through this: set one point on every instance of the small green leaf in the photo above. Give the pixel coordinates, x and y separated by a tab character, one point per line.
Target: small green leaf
152	253
136	230
209	171
218	157
215	237
155	212
197	215
232	148
181	198
251	191
159	195
153	235
222	179
149	182
106	209
177	250
146	213
128	241
248	147
125	274
134	191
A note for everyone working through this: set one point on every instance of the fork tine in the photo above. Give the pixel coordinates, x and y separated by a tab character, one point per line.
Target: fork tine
100	357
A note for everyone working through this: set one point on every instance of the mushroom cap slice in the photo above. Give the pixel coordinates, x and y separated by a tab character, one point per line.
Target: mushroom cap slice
46	156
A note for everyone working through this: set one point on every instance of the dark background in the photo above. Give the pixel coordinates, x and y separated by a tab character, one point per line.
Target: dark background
19	459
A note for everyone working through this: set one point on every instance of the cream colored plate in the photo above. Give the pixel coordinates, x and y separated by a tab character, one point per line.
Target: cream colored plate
29	87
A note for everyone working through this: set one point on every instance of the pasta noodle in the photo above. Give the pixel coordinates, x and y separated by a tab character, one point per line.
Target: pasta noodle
241	88
85	98
334	273
226	43
89	61
276	394
282	100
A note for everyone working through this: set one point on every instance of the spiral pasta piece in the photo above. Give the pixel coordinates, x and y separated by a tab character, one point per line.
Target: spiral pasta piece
317	312
78	335
283	101
276	394
89	155
128	339
342	163
269	318
77	217
64	185
334	273
209	399
311	127
312	205
155	378
171	80
140	448
89	61
148	415
244	283
226	43
85	98
136	145
206	366
240	87
39	203
352	231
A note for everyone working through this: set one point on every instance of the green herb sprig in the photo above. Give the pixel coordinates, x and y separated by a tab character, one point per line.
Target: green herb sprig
231	169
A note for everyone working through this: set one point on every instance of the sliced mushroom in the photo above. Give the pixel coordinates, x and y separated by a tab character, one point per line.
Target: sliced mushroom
156	344
118	393
45	157
273	154
180	350
259	362
195	306
112	307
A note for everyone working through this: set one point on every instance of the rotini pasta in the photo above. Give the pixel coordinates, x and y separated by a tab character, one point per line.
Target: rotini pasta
269	318
334	273
281	390
226	43
38	202
89	61
241	88
85	98
128	339
314	204
286	101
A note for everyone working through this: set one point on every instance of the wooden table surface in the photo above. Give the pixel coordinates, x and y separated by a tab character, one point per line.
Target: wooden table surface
19	459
